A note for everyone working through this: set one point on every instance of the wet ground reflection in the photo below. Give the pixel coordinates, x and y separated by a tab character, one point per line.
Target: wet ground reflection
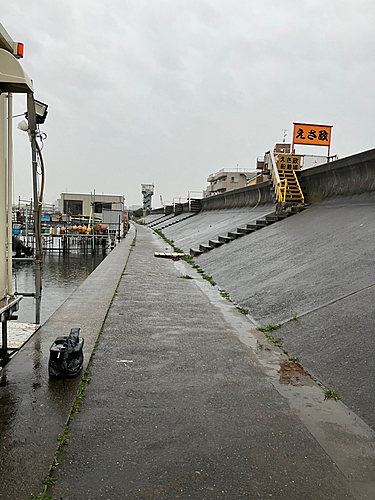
61	275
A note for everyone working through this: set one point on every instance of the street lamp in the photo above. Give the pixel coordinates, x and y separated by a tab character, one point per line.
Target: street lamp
35	115
41	111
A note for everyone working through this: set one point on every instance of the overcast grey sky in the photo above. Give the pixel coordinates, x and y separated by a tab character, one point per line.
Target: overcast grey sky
169	91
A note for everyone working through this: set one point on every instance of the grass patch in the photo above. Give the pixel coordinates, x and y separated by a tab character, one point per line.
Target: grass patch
242	310
42	496
176	249
189	259
186	277
271	338
209	279
331	394
269	328
293	359
226	295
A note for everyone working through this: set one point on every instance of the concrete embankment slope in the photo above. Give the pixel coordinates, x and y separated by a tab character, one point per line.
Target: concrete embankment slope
210	224
34	410
178	407
320	264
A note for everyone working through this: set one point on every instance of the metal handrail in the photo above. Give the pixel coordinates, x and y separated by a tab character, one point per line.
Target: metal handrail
299	187
274	174
281	192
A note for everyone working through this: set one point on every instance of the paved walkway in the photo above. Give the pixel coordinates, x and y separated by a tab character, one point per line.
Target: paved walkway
33	409
187	400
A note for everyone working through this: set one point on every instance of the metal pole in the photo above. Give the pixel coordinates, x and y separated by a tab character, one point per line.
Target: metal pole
3	159
10	192
32	127
4	336
93	219
27	215
92	226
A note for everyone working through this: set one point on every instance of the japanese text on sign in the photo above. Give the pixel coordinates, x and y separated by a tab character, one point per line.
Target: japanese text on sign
288	162
318	135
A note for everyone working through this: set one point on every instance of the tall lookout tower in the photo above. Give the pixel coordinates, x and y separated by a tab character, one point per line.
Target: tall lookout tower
147	191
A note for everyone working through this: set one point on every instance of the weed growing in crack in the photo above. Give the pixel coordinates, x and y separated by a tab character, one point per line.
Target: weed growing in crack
331	394
189	259
276	342
209	279
226	295
269	328
242	310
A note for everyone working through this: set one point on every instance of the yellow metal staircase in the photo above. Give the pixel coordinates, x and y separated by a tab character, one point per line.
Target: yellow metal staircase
289	188
283	175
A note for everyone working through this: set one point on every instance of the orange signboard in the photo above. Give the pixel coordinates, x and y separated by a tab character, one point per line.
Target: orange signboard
288	162
316	135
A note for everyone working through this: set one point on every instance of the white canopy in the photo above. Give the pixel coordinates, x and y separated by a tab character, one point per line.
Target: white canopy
12	76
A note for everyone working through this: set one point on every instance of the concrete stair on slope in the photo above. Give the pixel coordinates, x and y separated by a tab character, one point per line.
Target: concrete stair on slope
179	220
155	221
215	243
205	248
159	221
248	229
235	234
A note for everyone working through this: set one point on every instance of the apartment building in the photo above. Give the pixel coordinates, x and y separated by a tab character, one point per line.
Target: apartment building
226	180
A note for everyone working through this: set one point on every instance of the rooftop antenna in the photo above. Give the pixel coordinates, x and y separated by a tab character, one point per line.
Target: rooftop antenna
284	130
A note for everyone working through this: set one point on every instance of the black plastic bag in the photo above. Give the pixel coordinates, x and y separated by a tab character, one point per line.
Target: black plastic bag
66	356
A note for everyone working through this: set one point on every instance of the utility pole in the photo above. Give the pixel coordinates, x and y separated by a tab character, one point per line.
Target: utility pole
3	197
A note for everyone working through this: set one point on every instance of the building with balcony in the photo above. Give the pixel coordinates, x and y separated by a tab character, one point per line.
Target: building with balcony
227	180
80	204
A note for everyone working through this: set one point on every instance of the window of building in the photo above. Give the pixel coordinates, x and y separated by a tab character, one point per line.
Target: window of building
73	207
99	207
234	179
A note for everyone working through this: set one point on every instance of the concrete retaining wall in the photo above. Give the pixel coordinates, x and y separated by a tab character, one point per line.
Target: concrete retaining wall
244	197
157	211
346	177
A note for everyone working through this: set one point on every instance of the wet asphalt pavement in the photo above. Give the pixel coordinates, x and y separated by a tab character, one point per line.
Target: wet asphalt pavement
178	407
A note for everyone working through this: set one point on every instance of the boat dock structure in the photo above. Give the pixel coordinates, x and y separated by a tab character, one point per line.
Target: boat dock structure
242	370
